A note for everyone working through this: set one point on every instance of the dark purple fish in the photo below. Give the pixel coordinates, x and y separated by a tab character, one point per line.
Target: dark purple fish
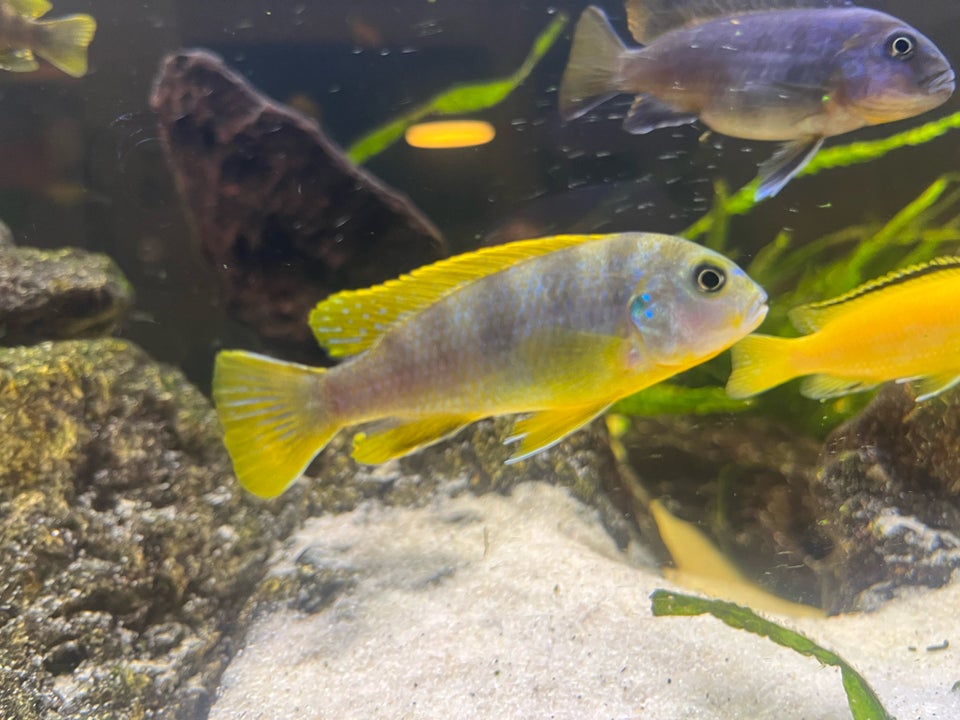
757	69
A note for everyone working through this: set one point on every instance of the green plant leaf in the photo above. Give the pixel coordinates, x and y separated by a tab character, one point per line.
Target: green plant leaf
671	399
459	99
864	703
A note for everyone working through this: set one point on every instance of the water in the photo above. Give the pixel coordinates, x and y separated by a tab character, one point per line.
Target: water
84	167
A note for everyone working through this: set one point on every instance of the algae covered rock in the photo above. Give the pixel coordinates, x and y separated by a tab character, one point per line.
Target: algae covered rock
58	294
888	496
126	547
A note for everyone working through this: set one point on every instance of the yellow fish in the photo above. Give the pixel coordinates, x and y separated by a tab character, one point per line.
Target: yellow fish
902	326
560	327
61	41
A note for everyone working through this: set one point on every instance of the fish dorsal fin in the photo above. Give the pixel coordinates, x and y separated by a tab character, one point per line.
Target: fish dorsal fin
812	317
649	18
30	8
349	322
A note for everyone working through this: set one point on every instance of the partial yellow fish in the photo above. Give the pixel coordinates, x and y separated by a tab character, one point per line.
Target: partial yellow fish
61	41
903	326
560	327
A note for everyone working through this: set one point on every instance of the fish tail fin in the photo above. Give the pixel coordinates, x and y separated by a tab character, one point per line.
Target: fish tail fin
760	362
65	42
274	418
594	71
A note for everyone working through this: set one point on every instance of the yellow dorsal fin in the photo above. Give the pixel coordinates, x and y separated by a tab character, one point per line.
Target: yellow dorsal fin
812	317
30	8
349	322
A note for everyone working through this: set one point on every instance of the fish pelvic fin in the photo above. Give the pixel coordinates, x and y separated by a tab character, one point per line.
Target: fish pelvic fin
787	161
760	362
546	428
595	68
65	42
402	439
273	418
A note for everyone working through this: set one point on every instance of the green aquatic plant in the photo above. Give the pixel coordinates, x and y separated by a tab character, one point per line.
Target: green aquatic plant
671	399
459	99
863	701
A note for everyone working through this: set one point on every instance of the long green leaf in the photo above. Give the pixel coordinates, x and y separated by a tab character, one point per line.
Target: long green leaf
459	99
864	703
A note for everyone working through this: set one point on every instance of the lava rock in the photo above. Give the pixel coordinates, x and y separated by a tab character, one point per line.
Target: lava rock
888	495
58	294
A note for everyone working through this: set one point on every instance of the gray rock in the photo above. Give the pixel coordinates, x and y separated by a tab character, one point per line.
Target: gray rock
127	549
58	294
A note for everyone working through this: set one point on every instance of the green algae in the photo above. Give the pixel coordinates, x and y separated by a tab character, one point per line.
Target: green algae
863	701
459	99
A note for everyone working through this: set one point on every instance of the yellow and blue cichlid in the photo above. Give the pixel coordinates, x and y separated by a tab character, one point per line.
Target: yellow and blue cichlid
560	327
789	70
60	41
902	326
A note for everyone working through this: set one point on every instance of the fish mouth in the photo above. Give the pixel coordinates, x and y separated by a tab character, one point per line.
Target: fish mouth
756	313
942	82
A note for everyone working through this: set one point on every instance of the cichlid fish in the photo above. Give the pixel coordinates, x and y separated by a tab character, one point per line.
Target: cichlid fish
899	327
560	327
791	70
61	41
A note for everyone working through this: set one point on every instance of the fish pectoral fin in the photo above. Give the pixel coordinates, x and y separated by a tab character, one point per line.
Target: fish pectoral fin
379	446
18	61
932	385
647	114
822	387
548	427
786	162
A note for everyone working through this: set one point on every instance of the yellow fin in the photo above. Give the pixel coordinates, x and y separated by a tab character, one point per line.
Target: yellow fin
760	362
812	317
65	42
932	385
349	322
30	8
822	387
700	566
379	446
272	418
548	427
18	61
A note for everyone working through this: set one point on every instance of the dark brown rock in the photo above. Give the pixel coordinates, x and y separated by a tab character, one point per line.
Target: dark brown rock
888	495
278	207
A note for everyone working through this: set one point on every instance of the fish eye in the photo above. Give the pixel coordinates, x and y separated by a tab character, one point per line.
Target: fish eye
901	46
709	278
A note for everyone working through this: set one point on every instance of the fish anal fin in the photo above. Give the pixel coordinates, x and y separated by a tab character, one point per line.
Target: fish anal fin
351	321
30	8
648	114
273	418
378	446
548	427
932	385
787	161
822	387
18	61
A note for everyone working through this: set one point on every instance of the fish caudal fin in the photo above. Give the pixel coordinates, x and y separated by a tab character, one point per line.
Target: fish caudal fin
273	418
65	42
594	71
760	362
